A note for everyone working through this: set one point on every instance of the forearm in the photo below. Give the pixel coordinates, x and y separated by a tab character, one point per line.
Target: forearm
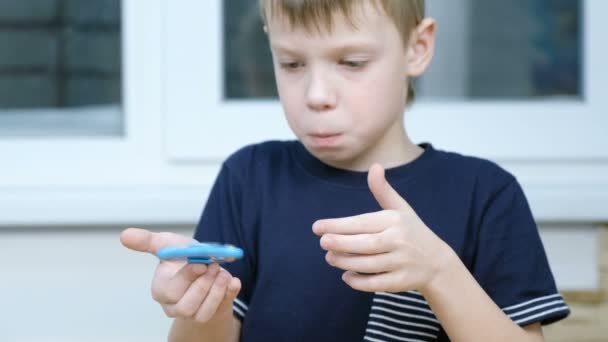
223	328
466	312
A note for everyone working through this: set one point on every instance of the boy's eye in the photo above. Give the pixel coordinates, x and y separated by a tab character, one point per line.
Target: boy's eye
353	64
291	65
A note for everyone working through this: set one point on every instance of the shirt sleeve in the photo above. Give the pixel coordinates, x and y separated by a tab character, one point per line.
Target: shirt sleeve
223	221
511	264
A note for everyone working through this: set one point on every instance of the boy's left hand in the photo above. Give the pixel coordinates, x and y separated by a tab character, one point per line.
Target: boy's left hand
390	250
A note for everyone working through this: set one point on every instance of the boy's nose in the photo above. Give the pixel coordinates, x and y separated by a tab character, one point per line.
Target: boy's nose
320	95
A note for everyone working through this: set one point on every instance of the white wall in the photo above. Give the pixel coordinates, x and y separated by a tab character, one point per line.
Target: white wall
76	285
82	285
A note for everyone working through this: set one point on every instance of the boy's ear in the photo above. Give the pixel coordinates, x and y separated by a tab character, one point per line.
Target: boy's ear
266	29
421	47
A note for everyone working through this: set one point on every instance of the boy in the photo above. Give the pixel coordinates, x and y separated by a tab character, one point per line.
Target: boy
439	246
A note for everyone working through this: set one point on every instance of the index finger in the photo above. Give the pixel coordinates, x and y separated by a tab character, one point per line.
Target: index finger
142	240
367	223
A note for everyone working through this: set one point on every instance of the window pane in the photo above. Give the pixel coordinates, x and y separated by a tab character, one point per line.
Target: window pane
485	49
248	69
60	67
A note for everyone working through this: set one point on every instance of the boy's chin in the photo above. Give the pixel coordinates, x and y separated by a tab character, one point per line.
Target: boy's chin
339	157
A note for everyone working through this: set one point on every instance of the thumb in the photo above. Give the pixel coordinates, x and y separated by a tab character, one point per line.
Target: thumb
142	240
384	193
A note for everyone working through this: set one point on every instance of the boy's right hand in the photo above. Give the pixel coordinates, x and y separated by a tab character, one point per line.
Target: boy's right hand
197	292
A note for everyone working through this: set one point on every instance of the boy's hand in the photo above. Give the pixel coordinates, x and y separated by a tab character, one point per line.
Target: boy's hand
390	250
193	291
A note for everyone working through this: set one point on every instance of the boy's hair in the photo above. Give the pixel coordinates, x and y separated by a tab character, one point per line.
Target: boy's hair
317	15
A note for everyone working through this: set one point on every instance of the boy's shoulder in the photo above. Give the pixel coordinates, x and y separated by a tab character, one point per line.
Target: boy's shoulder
480	171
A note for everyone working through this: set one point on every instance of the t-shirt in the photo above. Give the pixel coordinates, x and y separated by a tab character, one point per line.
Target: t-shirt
267	196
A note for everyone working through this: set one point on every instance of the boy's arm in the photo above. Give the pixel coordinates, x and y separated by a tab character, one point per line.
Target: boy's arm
222	328
467	313
392	250
464	309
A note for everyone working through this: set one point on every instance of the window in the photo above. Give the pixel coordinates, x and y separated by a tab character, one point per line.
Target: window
60	70
87	174
485	50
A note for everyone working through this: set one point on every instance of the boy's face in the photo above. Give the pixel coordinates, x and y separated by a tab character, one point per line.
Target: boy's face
343	92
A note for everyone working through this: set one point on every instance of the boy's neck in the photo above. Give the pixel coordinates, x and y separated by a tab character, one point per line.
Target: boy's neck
394	149
393	153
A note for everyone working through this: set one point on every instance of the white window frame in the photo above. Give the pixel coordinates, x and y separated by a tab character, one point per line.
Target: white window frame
178	129
96	180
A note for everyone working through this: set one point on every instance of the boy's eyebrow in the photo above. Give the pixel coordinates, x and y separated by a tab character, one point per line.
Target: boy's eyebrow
341	49
281	48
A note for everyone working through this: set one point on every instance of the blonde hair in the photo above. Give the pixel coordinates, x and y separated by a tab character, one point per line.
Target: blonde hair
318	15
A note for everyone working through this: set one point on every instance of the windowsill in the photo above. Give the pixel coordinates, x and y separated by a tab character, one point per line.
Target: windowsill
181	204
49	206
90	121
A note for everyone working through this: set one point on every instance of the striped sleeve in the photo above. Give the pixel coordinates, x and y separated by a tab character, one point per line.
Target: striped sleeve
404	316
511	264
239	308
545	309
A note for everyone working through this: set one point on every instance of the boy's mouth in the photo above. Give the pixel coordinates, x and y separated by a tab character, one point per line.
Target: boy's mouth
324	140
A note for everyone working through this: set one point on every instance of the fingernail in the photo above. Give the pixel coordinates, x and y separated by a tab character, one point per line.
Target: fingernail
328	258
325	241
233	287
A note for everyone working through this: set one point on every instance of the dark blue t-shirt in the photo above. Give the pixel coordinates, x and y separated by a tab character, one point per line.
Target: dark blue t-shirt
268	195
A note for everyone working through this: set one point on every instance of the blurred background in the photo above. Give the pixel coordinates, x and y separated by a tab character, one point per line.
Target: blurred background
118	113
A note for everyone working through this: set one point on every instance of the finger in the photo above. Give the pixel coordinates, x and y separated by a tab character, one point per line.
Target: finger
367	282
194	296
142	240
367	223
378	263
358	244
233	290
384	193
171	291
214	297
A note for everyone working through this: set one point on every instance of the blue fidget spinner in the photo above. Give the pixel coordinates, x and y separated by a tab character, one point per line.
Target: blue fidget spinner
201	253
